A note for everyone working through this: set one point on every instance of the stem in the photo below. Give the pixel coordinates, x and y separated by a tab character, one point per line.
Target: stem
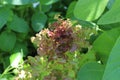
6	71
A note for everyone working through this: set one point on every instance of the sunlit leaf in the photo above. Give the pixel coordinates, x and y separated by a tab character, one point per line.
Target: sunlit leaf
71	9
89	9
112	16
15	59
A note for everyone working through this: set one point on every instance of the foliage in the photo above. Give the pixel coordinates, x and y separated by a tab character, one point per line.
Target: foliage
60	45
21	19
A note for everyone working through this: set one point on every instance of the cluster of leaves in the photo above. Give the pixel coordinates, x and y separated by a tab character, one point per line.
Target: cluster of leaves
19	20
105	14
59	48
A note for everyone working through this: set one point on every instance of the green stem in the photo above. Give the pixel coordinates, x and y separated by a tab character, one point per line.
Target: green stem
6	71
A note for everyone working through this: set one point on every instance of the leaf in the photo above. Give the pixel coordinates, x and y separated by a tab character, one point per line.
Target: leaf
15	59
20	46
47	2
46	8
7	41
18	2
5	15
18	25
112	16
89	9
112	70
91	71
38	21
105	42
71	9
110	3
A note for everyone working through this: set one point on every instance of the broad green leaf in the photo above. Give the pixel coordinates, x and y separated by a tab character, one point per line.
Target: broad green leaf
16	58
18	25
91	71
38	21
112	16
48	2
105	42
71	9
18	2
5	15
89	9
112	70
7	41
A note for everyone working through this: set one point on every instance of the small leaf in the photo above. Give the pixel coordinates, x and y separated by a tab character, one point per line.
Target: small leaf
89	9
7	41
18	2
18	25
91	71
5	15
112	16
112	70
38	21
16	58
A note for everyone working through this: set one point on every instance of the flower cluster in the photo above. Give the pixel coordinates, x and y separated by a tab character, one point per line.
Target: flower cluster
59	38
59	48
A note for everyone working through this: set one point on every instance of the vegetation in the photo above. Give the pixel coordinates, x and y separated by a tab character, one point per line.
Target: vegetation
59	39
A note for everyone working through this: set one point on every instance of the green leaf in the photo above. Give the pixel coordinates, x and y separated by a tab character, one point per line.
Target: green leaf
18	2
5	15
91	71
47	2
105	42
112	16
38	21
110	4
7	41
89	9
18	25
16	58
46	8
71	9
20	46
112	70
